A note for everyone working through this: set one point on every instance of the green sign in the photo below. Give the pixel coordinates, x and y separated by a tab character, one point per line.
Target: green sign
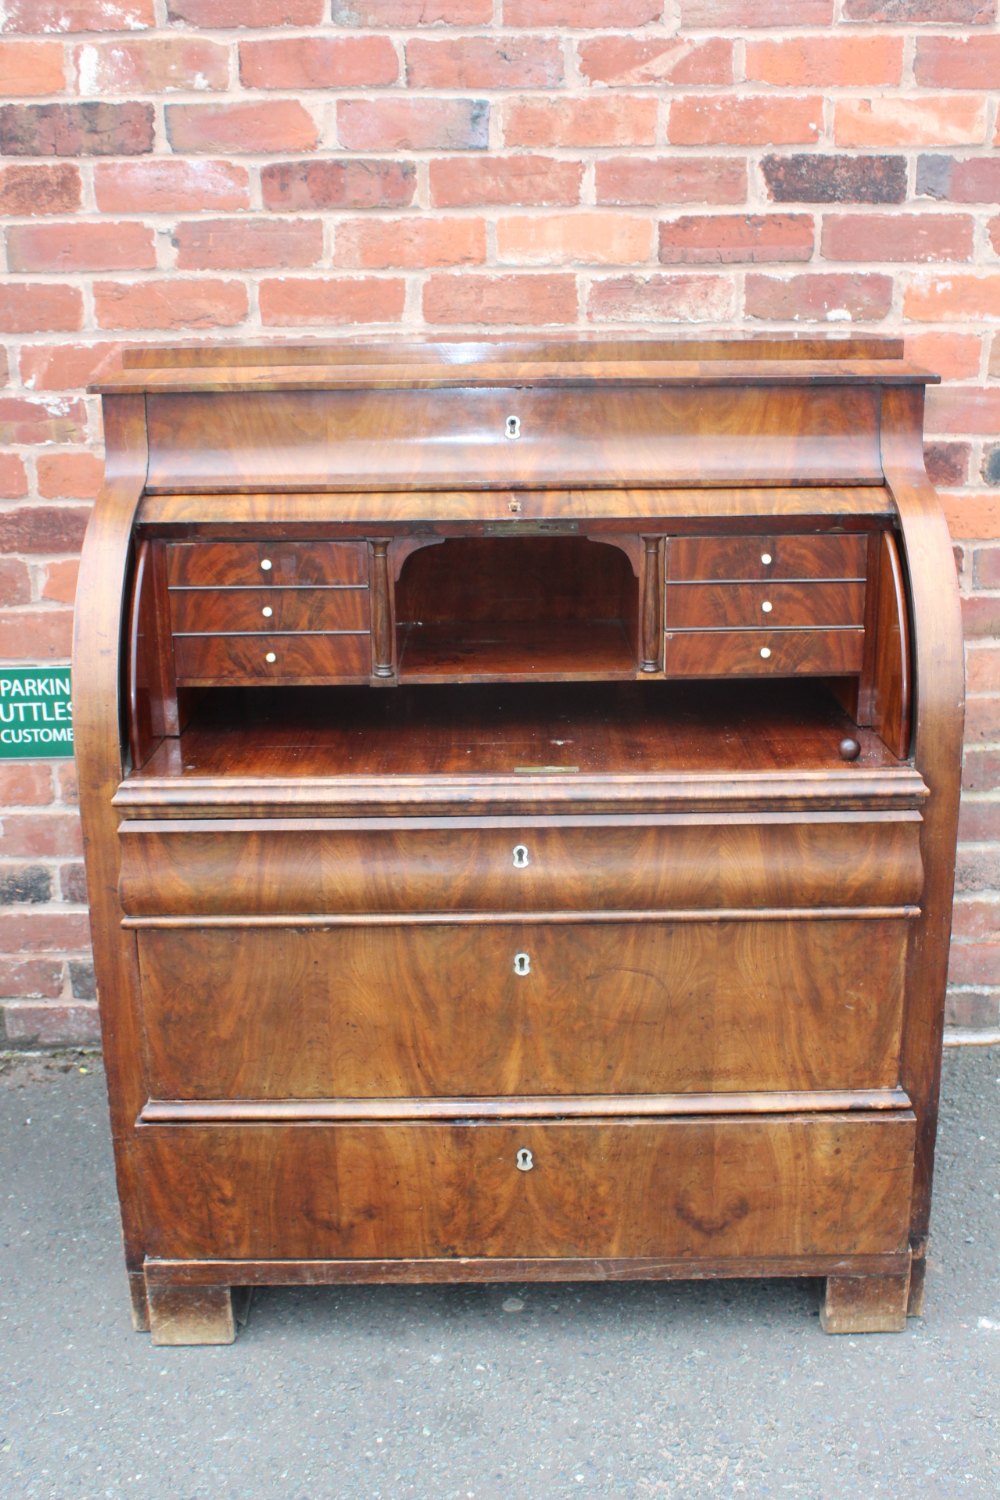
36	719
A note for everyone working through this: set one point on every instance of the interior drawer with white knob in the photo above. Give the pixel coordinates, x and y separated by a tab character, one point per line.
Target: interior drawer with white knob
835	555
268	658
780	606
265	563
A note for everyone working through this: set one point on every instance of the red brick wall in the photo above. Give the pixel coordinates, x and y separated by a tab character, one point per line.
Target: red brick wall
245	168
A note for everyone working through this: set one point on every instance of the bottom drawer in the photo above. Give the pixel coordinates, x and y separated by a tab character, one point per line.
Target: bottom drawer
733	1186
752	653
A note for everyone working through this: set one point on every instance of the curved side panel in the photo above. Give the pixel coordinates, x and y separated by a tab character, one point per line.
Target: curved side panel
939	696
98	718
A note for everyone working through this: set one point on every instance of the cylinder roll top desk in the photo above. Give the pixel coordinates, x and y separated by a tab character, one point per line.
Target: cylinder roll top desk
519	784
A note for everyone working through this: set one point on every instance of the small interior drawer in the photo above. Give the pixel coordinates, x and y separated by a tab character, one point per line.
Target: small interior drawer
762	653
271	658
264	563
225	611
762	557
780	606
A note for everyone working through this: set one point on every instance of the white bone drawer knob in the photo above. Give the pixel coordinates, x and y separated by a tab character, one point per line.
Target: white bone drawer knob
766	559
767	606
765	652
270	656
267	611
266	564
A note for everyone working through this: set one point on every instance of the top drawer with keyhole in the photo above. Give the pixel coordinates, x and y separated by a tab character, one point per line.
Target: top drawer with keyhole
266	564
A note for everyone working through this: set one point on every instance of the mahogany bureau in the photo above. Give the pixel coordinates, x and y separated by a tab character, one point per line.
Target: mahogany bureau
519	784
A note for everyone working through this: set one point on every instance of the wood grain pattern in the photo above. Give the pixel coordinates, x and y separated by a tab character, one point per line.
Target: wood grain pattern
441	1010
265	563
763	557
231	611
891	669
753	653
777	606
864	1304
222	866
682	1188
266	658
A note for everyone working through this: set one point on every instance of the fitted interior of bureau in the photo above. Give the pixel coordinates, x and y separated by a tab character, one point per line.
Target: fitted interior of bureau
517	729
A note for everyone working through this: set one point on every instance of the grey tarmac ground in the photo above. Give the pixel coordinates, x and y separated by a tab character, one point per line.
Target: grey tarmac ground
496	1393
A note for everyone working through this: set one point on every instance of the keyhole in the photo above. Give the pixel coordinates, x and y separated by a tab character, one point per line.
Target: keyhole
521	856
513	427
525	1160
522	963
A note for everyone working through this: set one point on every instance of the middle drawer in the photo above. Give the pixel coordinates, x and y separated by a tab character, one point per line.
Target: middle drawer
523	1008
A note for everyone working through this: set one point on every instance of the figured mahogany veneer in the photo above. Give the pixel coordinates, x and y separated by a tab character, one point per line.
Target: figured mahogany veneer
519	785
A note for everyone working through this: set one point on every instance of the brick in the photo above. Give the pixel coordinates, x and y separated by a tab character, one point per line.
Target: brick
585	14
318	62
31	68
933	12
239	244
817	295
46	1025
40	835
972	515
90	129
24	978
705	239
994	232
24	784
42	528
671	179
980	618
977	870
835	179
947	464
69	476
48	931
55	419
974	179
39	189
977	1009
744	120
406	15
990	467
107	246
24	883
228	14
627	62
981	770
825	61
460	183
897	237
82	980
59	581
888	120
982	715
73	884
61	367
982	669
976	919
151	65
13	477
953	63
585	238
953	356
77	15
532	301
986	567
267	125
162	185
413	124
170	302
296	185
721	14
67	782
380	244
980	822
995	355
38	307
15	582
958	297
36	635
484	63
662	298
302	303
615	120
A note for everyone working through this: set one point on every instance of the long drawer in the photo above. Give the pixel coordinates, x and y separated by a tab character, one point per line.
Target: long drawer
228	611
522	1008
731	1186
265	563
759	653
208	867
259	659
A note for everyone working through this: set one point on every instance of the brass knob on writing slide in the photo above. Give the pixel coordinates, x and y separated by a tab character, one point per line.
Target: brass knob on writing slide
849	749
